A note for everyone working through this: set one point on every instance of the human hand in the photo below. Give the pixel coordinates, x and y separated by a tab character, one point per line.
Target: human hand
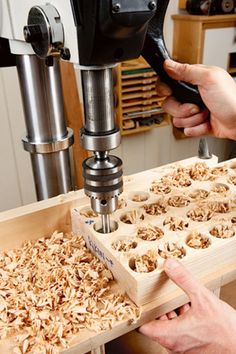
218	92
206	326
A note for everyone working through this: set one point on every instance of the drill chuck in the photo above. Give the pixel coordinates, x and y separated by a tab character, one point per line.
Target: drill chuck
103	182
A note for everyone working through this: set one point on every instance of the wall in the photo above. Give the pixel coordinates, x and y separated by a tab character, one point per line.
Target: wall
16	179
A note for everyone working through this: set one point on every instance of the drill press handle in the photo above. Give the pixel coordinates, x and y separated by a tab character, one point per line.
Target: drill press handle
155	53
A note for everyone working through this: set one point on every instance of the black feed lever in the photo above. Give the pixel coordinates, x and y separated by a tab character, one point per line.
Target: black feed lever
155	53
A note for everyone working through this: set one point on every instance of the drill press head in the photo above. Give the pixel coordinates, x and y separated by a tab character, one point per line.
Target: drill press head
108	32
102	172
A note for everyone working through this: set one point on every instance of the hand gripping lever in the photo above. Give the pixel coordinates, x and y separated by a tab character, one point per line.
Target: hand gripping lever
155	53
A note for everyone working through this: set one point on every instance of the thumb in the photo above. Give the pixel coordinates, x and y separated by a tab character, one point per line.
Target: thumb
183	278
194	74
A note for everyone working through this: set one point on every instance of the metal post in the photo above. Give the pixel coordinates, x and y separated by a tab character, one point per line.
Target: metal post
48	140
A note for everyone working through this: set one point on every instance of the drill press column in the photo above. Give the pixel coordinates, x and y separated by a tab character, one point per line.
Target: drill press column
102	172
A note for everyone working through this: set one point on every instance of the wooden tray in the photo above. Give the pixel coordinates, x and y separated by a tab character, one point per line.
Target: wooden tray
145	287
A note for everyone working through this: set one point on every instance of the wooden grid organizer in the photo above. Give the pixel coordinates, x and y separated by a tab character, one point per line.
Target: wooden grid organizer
139	107
145	287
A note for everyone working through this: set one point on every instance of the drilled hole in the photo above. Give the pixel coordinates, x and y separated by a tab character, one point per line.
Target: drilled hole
175	223
132	217
150	233
178	201
144	264
199	194
139	197
170	250
124	245
197	240
220	188
222	231
113	226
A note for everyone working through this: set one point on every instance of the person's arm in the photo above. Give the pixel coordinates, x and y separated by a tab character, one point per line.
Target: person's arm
207	325
218	92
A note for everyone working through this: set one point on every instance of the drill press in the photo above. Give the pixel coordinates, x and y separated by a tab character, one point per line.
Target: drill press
94	34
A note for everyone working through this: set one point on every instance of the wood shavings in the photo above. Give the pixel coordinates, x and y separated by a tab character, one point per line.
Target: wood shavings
150	233
160	188
53	288
88	213
132	217
201	172
179	178
201	213
175	223
199	194
197	240
157	208
124	245
219	207
233	220
232	180
171	250
222	231
139	197
144	264
178	201
220	188
121	203
219	171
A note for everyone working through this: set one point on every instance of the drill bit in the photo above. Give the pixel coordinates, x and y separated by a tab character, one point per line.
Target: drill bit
106	226
203	149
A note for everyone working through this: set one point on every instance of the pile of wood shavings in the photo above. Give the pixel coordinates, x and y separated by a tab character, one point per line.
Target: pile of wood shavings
222	231
124	245
171	249
232	180
160	188
150	233
53	288
178	201
220	188
219	171
144	264
200	213
175	223
88	213
157	208
201	172
132	217
197	240
139	198
179	178
199	194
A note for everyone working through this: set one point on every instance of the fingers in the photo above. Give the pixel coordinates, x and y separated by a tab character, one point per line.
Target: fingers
163	318
162	89
199	130
171	315
191	121
177	109
195	74
158	329
183	279
183	309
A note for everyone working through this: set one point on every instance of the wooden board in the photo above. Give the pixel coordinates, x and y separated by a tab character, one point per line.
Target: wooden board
145	287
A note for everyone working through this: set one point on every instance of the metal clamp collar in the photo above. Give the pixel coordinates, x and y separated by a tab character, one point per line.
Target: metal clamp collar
51	146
